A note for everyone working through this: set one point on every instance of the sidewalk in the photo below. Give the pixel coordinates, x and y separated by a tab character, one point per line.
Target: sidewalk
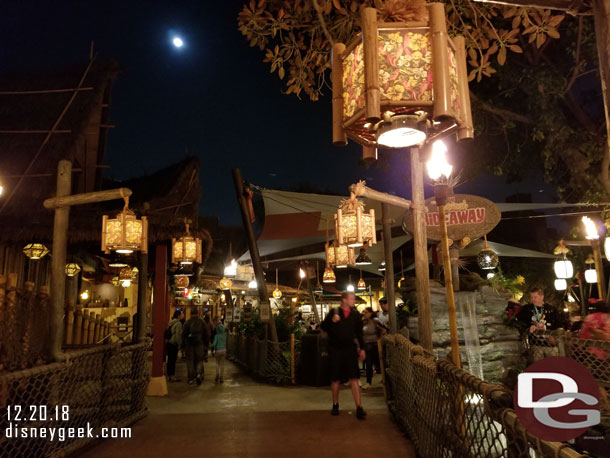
243	418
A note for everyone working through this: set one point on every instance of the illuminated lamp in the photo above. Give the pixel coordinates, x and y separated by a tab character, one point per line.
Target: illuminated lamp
125	233
401	131
563	266
361	283
72	269
381	267
561	284
186	249
225	283
253	284
84	295
125	277
353	226
329	275
590	273
487	258
339	256
231	269
35	250
277	294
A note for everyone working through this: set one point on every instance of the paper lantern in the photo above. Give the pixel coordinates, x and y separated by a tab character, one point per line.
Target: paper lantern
35	250
361	284
125	277
277	294
125	233
72	269
396	84
591	275
225	283
353	226
607	248
186	249
561	284
564	268
252	284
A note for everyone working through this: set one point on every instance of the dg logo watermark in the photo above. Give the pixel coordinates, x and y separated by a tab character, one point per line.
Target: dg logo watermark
557	399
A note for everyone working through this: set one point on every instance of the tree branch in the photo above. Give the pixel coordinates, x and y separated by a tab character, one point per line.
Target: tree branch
323	23
502	113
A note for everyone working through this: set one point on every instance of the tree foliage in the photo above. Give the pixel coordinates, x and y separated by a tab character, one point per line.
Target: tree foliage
535	88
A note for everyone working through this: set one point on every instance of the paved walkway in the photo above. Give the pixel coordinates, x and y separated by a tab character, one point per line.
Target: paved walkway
243	418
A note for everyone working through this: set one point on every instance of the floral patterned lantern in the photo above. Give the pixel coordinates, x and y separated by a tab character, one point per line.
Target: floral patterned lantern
186	249
353	226
339	256
396	84
125	233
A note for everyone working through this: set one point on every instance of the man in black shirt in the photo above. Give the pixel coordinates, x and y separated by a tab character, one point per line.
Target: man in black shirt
345	346
537	317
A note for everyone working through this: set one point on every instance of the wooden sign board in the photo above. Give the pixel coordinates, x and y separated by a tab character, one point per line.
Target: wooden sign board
265	311
466	216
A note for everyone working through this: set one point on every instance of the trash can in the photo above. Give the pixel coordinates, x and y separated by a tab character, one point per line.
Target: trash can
314	359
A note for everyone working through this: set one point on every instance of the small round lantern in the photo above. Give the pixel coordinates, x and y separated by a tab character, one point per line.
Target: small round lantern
277	294
225	283
563	266
590	273
72	269
329	275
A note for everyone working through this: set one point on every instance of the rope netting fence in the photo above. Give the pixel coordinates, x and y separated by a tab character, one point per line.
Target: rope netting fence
100	387
448	412
264	358
593	354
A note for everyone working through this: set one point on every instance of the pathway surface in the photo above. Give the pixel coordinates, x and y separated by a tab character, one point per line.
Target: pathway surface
243	418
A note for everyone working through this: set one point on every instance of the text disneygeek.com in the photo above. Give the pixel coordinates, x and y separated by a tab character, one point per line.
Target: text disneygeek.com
62	433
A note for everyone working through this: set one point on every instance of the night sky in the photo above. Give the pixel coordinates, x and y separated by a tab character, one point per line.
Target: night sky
214	99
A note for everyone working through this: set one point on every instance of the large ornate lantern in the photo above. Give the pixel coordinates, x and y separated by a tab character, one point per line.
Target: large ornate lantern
125	233
396	84
186	249
35	250
563	266
339	256
353	226
72	269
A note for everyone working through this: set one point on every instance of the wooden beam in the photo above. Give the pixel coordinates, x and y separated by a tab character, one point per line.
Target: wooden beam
87	198
361	190
46	91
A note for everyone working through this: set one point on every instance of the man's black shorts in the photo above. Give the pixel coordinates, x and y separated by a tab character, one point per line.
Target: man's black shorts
343	363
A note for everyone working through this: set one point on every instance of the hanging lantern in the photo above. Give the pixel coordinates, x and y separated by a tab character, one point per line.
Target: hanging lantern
35	250
353	226
277	294
115	281
72	269
125	233
329	275
134	273
607	248
186	249
84	295
318	289
487	259
225	283
590	273
339	256
361	284
125	277
118	261
363	259
381	267
397	83
350	288
402	282
253	284
231	269
561	284
563	266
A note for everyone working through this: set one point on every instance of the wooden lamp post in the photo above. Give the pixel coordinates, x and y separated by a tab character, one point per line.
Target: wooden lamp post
593	238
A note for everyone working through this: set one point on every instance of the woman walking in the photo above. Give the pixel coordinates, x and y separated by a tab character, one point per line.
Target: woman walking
219	347
371	329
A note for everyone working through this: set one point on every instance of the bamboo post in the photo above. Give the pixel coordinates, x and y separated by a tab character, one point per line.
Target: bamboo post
90	340
316	315
599	267
69	323
369	153
85	328
420	242
382	365
361	190
78	325
454	256
389	266
339	137
292	358
140	334
96	329
86	198
440	61
58	262
371	64
466	129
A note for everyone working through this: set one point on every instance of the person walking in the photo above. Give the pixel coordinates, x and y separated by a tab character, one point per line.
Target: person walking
345	347
219	347
384	315
173	344
371	330
536	318
195	339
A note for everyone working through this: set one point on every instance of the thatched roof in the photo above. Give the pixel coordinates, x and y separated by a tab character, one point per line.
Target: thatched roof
31	105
